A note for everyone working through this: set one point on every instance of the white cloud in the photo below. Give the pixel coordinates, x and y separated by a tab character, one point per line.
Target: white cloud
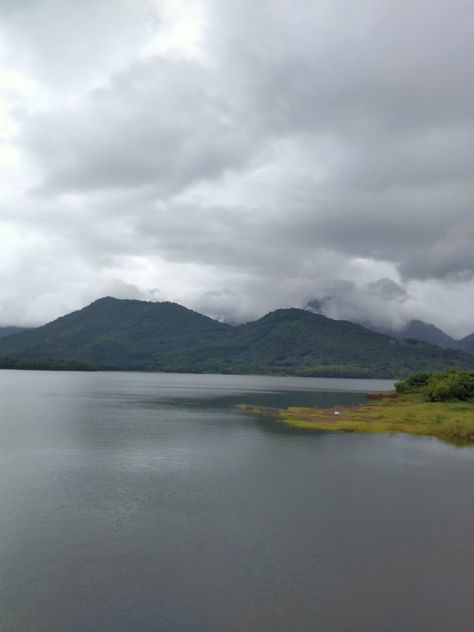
238	156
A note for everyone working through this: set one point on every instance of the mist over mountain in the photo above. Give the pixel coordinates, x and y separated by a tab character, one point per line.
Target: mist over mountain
429	333
411	328
237	157
419	330
132	334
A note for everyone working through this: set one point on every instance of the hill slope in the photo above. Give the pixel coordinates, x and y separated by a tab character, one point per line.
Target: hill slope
115	333
428	333
297	342
466	344
128	334
8	331
419	330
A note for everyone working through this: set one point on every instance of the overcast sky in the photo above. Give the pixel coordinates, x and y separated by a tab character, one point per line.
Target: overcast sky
237	156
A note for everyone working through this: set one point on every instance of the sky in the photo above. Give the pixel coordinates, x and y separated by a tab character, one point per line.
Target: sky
238	156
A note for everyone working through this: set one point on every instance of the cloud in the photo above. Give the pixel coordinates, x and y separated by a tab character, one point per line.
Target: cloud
257	155
69	45
387	289
162	122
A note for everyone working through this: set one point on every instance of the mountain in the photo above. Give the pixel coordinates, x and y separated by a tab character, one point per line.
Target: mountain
130	334
8	331
115	333
297	342
420	330
466	344
415	329
426	332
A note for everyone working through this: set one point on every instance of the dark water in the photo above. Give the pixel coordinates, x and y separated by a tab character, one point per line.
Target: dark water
145	503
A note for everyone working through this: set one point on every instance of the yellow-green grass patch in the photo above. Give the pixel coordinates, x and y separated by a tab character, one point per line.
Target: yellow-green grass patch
449	421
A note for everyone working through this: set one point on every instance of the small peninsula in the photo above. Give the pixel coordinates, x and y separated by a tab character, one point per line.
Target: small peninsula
429	404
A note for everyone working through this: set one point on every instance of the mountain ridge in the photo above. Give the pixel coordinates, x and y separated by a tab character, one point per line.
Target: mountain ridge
427	332
129	334
415	328
466	344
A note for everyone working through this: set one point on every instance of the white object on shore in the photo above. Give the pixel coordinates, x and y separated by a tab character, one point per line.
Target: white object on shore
336	412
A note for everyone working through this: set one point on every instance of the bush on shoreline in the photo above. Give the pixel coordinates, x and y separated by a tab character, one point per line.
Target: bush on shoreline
439	387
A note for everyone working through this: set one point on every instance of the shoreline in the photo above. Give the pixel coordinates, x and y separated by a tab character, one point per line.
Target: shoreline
387	413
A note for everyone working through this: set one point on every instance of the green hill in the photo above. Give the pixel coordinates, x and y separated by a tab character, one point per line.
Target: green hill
297	342
126	334
114	333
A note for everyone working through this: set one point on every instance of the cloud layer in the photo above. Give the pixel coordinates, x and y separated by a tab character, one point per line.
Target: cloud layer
239	157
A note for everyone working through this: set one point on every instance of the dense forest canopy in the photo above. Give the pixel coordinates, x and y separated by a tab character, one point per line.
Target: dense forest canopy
140	335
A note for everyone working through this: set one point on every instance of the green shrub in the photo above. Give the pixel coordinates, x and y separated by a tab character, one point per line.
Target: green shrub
413	383
440	387
454	385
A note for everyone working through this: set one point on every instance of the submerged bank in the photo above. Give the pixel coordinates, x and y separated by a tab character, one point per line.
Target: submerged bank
451	421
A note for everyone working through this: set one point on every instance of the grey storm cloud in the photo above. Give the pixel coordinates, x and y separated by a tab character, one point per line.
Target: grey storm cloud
310	150
164	123
66	43
388	289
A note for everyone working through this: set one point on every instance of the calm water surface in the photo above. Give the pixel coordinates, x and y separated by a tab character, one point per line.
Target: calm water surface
148	503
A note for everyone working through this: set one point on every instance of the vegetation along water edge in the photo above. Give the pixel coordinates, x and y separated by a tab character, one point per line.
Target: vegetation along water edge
430	404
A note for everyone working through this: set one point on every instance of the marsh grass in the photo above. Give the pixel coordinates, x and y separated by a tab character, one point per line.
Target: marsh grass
411	414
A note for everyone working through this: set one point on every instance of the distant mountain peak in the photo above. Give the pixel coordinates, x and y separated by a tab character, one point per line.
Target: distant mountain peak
427	332
133	334
467	344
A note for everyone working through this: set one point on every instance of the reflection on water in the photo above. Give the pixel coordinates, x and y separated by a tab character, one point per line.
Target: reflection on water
148	502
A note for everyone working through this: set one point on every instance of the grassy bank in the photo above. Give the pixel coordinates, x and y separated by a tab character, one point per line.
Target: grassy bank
408	411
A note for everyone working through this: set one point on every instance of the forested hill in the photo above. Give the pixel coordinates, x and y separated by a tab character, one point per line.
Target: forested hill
128	334
115	333
296	342
8	331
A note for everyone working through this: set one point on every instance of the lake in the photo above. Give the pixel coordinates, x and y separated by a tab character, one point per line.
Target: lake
135	502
